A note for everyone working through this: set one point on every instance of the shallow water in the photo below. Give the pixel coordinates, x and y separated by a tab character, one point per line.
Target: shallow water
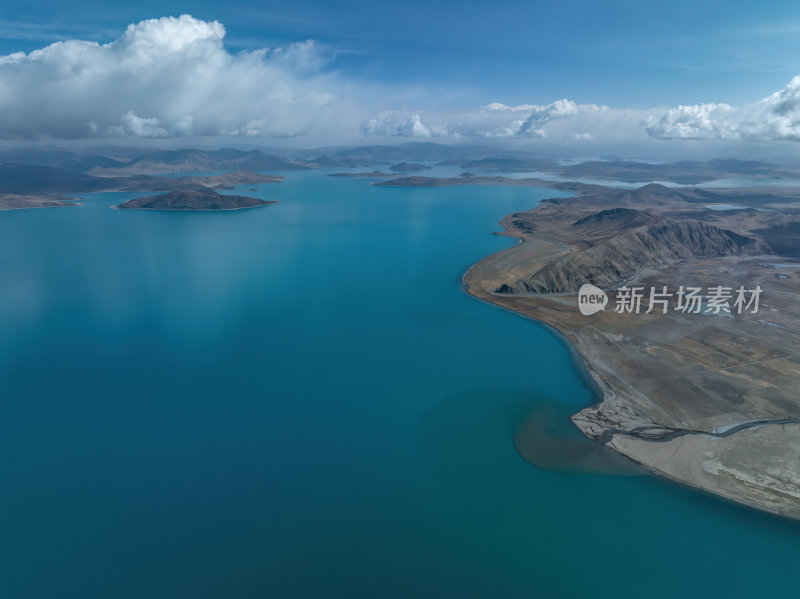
546	438
299	401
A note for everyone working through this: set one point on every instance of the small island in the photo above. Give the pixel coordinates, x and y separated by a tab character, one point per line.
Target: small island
202	198
370	175
409	167
472	179
9	201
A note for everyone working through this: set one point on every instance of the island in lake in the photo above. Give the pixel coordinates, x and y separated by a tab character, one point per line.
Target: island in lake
472	179
203	198
14	201
409	167
364	175
38	186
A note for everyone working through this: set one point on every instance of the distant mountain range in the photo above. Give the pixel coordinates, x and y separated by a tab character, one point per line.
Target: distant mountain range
110	161
410	151
27	179
151	162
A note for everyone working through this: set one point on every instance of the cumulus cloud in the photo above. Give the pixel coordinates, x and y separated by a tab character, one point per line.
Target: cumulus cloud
541	115
173	77
394	123
774	118
165	77
493	120
701	121
500	107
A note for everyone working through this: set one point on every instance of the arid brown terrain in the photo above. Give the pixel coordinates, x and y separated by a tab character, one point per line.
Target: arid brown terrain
707	398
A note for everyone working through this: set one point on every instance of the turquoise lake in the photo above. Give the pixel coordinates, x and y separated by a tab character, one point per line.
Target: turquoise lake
300	401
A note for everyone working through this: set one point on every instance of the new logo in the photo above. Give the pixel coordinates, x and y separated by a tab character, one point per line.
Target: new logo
591	299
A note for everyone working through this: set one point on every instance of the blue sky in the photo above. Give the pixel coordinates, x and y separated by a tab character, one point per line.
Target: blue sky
419	60
636	54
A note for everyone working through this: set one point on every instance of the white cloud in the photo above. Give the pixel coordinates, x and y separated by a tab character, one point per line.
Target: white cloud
774	118
166	77
541	115
136	126
500	107
394	123
493	120
702	121
173	77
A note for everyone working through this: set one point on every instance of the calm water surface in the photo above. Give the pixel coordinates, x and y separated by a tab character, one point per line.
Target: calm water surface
299	401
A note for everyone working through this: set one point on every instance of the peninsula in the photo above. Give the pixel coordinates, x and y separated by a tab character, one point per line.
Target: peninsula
704	398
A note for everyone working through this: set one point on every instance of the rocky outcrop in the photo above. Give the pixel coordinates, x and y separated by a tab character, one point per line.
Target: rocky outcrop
610	221
612	261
